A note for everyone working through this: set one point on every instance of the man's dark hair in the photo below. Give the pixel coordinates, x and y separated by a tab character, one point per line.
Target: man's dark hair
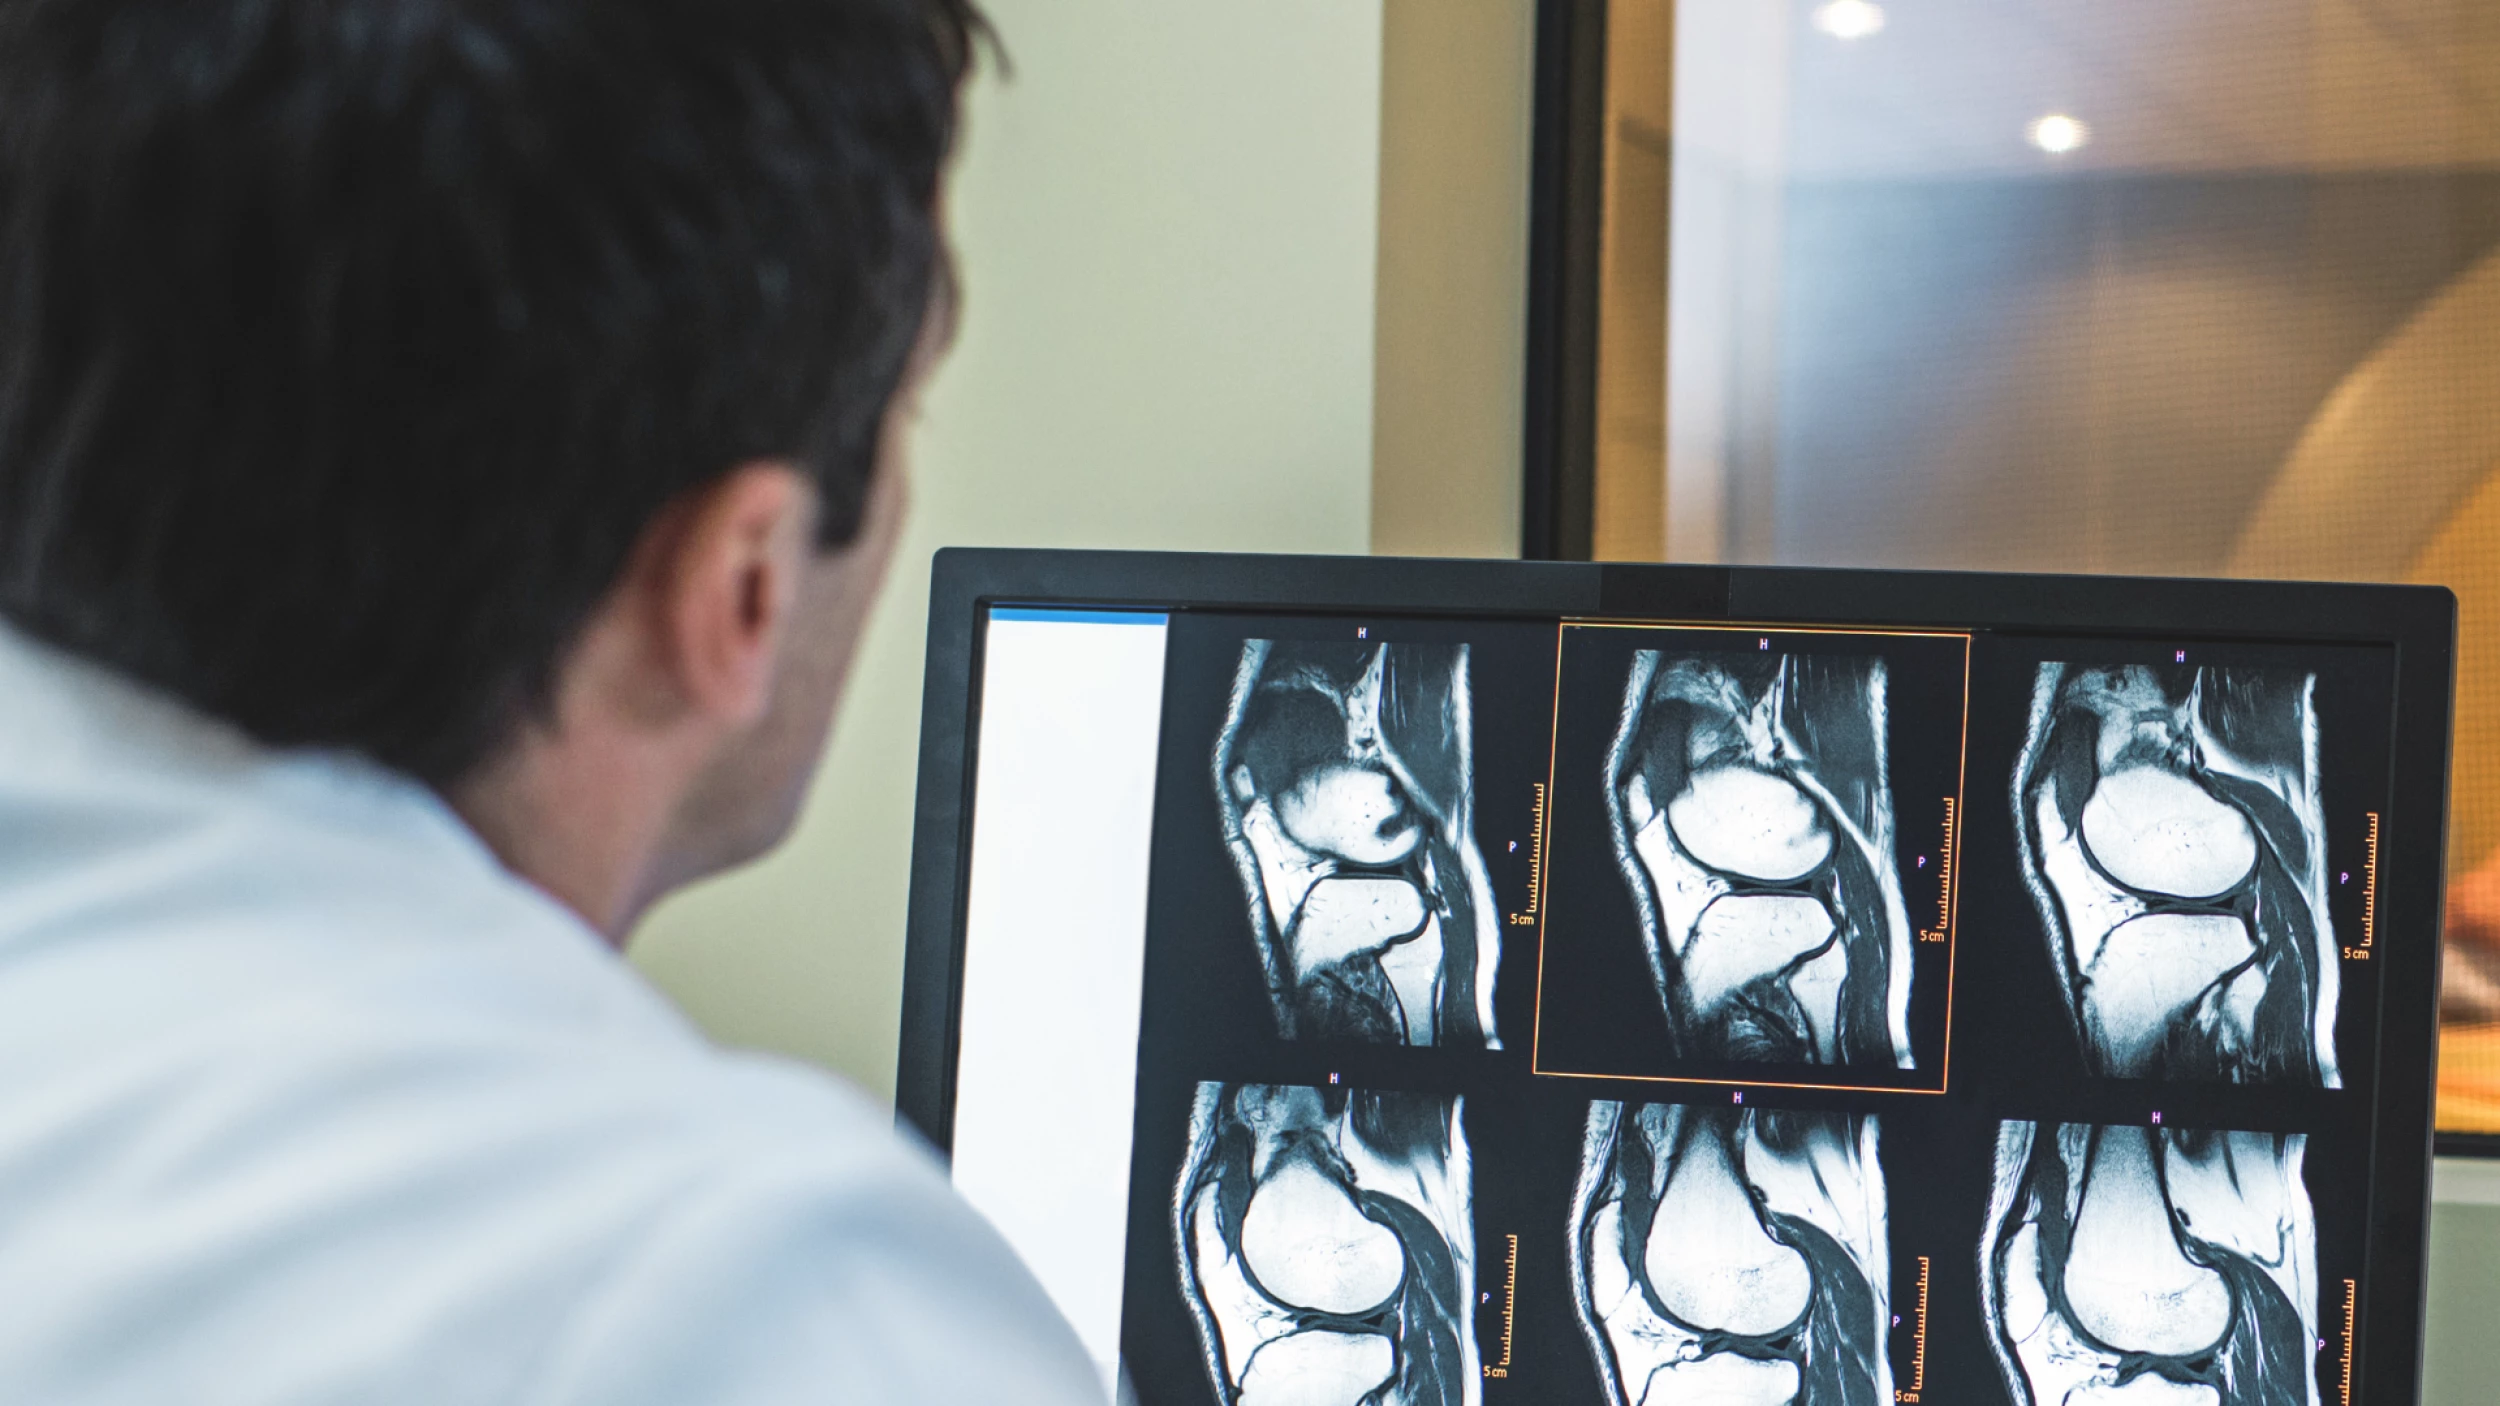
347	346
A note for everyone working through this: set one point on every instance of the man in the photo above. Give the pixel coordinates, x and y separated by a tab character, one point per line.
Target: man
447	448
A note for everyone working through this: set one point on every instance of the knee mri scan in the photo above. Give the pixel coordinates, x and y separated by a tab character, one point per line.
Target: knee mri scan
1735	1257
2172	837
2151	1264
1326	1246
1345	782
1752	816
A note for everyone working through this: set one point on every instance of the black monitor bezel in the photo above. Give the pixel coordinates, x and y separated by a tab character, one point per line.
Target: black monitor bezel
2418	621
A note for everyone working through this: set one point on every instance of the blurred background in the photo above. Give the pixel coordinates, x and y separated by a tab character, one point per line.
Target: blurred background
2199	286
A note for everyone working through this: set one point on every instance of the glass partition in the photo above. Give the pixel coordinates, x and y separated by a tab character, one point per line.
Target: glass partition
2156	286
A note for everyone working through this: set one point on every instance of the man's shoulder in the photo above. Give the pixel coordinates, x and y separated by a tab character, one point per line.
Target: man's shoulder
754	1230
441	1145
448	1209
814	1239
304	1098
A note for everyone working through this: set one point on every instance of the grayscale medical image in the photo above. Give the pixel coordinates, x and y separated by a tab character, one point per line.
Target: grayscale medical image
1344	778
1752	815
2148	1264
1734	1257
1327	1248
2173	839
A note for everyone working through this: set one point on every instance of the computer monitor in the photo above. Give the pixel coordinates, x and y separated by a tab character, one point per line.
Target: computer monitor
1455	982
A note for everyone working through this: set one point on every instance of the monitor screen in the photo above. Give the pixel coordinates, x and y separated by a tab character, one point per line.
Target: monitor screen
1453	1004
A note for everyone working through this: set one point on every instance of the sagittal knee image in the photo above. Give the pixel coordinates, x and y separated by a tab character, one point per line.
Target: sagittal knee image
1346	786
1326	1246
1753	818
1733	1257
2173	839
2126	1264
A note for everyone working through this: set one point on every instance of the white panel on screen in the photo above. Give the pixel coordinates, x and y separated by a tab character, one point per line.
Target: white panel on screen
1054	945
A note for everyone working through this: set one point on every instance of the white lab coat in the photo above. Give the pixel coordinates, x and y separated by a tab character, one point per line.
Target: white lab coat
304	1099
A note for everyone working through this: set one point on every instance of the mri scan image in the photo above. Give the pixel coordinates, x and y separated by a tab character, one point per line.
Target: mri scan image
1326	1247
2135	1264
2173	839
1733	1257
1347	793
1752	816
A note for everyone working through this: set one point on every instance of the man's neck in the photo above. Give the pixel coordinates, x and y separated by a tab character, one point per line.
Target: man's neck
586	824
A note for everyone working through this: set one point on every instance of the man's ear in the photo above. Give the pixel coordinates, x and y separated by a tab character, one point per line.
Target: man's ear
726	576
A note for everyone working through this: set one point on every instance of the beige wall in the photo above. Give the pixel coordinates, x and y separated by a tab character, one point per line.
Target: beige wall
1167	223
1448	382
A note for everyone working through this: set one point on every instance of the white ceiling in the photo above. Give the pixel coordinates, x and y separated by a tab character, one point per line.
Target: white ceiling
1947	87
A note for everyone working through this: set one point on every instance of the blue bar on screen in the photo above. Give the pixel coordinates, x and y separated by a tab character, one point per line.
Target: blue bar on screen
1078	615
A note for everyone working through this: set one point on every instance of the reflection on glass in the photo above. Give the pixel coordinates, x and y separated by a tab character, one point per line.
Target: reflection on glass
2152	286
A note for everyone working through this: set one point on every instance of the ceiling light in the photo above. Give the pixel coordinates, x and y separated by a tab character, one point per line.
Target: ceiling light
2058	134
1849	19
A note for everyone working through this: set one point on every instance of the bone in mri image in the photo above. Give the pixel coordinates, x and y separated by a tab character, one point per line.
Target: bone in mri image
2156	1264
2173	840
1326	1246
1737	1257
1346	791
1752	816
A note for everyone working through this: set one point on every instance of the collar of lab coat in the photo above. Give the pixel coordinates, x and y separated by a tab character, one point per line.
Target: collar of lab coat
133	824
77	735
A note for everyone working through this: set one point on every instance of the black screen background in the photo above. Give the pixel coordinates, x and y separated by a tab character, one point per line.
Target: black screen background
1205	1014
1594	971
